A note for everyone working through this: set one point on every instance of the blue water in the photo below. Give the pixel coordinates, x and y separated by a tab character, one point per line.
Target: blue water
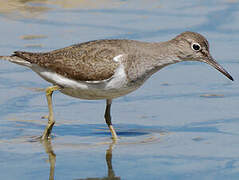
171	128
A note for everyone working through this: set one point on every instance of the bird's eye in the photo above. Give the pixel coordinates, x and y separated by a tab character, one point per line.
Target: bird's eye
196	46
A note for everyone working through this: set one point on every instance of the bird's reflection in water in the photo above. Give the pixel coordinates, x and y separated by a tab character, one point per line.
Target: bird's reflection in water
108	157
51	155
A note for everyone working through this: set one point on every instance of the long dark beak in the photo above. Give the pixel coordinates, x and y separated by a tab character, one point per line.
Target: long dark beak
217	66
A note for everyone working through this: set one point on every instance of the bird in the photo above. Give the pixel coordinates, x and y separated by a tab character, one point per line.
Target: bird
110	68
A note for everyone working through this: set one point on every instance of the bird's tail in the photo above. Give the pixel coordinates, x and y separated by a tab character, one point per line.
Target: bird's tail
17	60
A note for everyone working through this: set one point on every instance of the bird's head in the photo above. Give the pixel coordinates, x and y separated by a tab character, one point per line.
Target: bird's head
194	47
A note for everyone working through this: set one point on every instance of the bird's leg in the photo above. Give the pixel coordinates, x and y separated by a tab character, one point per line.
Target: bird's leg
108	119
51	121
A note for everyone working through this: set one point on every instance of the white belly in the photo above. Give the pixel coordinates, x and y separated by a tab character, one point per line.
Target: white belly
97	93
106	89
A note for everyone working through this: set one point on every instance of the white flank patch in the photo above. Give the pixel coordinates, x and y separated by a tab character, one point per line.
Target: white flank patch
118	80
118	58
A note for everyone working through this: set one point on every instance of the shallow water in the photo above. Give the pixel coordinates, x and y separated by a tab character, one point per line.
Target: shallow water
182	124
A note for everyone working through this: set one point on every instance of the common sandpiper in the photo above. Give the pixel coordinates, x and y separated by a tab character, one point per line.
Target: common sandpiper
110	68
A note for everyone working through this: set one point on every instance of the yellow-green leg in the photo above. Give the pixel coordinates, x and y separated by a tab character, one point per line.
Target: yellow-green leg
108	119
51	121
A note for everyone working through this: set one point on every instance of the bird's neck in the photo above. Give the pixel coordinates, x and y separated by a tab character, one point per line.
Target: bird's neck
164	54
151	58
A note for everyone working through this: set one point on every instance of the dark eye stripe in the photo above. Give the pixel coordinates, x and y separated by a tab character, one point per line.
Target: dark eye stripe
206	44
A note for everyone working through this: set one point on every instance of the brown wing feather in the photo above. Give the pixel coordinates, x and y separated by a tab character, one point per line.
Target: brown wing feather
90	61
